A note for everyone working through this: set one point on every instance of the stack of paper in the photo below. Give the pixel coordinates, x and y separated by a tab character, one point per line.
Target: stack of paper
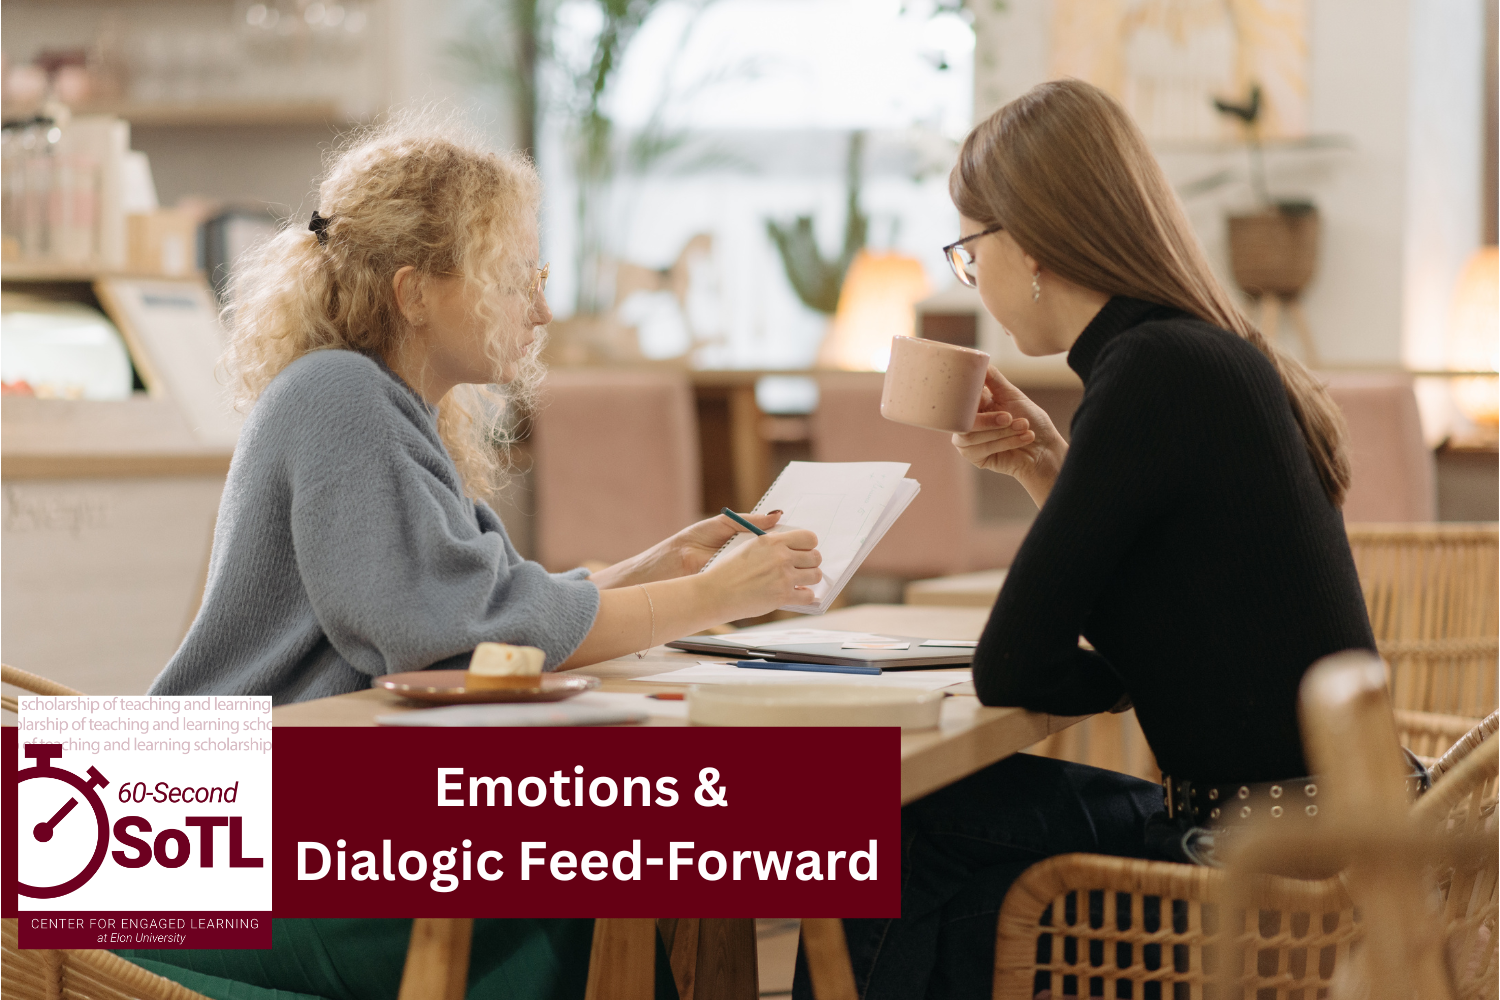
592	708
707	672
848	505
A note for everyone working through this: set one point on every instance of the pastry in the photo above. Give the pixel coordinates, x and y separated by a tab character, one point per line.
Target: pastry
496	665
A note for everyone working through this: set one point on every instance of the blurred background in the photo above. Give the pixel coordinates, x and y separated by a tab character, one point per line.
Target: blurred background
745	200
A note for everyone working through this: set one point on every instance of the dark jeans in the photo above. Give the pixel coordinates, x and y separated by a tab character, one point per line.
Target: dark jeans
962	847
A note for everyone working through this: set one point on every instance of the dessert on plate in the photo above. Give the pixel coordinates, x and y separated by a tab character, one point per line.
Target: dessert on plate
496	665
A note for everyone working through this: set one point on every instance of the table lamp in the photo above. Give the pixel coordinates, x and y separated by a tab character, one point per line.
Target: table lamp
1474	338
876	303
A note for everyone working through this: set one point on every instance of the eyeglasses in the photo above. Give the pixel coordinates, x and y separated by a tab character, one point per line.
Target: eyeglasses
538	283
961	260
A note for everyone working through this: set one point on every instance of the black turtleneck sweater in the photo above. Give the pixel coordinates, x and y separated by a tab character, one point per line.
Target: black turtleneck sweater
1189	539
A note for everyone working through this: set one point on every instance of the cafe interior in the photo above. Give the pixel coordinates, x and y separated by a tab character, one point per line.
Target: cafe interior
744	202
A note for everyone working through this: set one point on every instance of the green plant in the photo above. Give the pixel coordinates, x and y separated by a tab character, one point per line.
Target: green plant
508	45
502	44
505	44
1248	114
817	281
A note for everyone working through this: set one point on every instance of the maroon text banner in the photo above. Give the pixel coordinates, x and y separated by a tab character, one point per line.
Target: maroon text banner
641	822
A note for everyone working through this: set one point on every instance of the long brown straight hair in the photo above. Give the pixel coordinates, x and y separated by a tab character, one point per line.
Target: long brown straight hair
1070	177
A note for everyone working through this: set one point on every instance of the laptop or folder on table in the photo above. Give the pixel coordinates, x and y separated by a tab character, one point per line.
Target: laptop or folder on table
826	646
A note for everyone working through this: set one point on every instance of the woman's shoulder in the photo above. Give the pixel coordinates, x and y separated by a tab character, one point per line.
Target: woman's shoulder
329	399
1180	346
332	382
328	370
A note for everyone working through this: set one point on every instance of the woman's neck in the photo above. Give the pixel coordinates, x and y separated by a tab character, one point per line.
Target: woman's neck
1070	309
409	361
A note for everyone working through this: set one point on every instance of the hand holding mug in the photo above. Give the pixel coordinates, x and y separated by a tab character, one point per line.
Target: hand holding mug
1014	436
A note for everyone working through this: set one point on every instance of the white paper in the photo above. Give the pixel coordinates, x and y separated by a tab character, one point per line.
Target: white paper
876	645
848	505
718	672
588	708
573	712
635	702
953	643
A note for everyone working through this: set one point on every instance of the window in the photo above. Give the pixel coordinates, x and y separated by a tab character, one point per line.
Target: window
739	112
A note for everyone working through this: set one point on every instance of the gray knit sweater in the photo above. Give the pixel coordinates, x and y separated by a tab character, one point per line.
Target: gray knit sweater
346	549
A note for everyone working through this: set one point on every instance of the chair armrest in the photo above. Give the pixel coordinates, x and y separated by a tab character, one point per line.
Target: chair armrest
1093	912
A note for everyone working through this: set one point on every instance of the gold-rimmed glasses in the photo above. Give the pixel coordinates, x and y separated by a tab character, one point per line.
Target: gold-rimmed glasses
961	260
540	285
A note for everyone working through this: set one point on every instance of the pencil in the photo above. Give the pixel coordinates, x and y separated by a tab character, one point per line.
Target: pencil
741	521
822	668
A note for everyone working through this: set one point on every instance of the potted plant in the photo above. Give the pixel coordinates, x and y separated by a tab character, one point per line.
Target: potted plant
1273	250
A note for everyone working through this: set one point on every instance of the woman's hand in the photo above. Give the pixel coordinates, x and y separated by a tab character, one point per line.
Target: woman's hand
1015	436
758	576
767	572
683	554
696	544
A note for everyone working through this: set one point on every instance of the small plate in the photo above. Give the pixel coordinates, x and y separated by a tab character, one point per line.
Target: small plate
446	687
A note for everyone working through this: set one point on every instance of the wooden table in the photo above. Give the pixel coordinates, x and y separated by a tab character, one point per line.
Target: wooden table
969	738
962	590
716	958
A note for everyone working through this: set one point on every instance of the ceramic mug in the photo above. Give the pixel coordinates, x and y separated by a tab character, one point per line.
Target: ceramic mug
933	384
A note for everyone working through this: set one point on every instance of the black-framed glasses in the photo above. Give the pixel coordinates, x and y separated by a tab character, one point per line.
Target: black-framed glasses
961	260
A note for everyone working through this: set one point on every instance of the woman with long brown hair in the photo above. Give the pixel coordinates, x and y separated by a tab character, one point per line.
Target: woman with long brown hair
1190	530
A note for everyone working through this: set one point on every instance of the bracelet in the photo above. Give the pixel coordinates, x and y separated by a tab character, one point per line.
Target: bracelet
652	641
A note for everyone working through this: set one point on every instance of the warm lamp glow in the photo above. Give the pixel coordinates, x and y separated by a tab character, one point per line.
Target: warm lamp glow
1474	337
876	304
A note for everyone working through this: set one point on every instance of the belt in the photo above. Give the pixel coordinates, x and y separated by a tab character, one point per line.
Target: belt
1206	804
1202	803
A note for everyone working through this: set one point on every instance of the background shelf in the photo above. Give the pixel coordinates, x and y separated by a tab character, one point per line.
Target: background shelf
218	113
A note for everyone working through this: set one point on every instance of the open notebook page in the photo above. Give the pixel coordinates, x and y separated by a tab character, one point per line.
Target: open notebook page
848	505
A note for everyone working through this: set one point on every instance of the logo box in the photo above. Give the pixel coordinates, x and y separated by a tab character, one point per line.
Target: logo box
140	822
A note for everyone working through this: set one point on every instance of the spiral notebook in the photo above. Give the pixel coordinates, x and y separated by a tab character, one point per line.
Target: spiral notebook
849	505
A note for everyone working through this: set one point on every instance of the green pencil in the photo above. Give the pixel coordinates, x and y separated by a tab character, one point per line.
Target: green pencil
741	521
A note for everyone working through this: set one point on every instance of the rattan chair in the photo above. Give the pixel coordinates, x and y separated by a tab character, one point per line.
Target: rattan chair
33	683
1463	803
1429	735
1466	744
79	975
1426	888
1432	595
1090	925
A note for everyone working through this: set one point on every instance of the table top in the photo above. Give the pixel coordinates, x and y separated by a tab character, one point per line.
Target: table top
969	737
968	590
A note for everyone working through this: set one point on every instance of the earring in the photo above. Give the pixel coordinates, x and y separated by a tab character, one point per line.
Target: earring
1036	287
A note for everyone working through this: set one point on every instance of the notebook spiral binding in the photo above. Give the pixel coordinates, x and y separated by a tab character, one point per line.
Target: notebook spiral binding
754	510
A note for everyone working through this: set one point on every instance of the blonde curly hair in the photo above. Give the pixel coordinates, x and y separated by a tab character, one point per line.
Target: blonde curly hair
406	193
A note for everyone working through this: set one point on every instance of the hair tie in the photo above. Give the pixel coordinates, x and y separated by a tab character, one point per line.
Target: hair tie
319	227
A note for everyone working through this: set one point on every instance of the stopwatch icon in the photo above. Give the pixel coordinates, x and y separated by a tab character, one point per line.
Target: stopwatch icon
54	806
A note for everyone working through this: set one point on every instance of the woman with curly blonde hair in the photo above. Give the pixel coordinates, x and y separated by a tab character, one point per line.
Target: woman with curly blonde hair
353	539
